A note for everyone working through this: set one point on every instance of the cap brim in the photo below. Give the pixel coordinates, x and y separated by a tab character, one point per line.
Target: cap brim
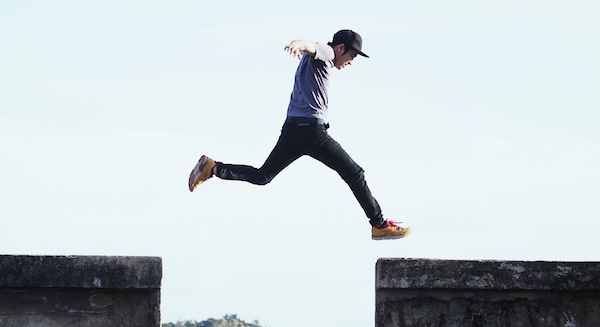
360	52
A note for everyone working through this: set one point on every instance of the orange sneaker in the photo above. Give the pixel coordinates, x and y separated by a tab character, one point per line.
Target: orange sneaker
201	172
389	231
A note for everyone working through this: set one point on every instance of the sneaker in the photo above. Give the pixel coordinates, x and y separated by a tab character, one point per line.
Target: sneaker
201	172
389	231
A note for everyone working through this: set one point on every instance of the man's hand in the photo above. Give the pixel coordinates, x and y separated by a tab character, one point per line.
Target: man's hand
297	47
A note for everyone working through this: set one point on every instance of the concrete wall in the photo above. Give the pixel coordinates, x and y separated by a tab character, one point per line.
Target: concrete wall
65	291
449	293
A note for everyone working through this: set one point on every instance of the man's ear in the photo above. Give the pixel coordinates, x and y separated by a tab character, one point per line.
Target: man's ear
339	49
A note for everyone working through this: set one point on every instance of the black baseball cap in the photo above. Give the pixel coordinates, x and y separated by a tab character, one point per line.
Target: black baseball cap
350	39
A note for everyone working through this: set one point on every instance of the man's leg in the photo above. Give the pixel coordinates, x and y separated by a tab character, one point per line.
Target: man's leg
284	153
325	149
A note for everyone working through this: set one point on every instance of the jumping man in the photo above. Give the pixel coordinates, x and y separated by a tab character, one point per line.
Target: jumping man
305	131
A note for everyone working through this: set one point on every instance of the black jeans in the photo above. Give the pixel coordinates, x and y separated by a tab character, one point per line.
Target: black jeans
297	140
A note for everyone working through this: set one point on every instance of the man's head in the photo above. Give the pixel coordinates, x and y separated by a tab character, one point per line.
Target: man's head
346	45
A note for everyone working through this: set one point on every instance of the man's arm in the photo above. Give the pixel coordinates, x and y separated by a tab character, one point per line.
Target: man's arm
297	47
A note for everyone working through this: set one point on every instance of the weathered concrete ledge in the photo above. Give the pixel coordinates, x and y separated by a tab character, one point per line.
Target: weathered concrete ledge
454	293
53	291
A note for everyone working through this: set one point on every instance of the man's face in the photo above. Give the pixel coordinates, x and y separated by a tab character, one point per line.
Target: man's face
343	57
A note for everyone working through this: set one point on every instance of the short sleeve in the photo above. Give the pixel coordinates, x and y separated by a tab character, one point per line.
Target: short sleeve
324	52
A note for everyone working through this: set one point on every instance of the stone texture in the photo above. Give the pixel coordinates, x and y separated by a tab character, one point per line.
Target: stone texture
452	293
80	272
53	291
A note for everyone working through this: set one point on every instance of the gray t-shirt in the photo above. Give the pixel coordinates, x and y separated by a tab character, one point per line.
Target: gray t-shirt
309	97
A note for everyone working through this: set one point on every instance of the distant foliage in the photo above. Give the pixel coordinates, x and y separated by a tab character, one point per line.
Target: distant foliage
226	321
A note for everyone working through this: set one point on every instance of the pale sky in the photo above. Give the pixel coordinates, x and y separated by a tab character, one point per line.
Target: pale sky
477	123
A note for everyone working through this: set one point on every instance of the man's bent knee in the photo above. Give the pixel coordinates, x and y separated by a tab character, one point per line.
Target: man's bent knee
262	179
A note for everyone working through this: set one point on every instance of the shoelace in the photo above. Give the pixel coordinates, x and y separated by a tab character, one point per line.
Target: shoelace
391	223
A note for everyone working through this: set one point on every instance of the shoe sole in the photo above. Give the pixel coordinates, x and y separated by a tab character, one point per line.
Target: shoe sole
387	238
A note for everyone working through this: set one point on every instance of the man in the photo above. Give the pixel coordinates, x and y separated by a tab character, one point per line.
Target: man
305	131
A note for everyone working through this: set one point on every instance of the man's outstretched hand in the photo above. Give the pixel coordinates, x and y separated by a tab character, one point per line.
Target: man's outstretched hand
297	47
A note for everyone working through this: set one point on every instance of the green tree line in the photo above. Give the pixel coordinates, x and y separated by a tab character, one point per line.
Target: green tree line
226	321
